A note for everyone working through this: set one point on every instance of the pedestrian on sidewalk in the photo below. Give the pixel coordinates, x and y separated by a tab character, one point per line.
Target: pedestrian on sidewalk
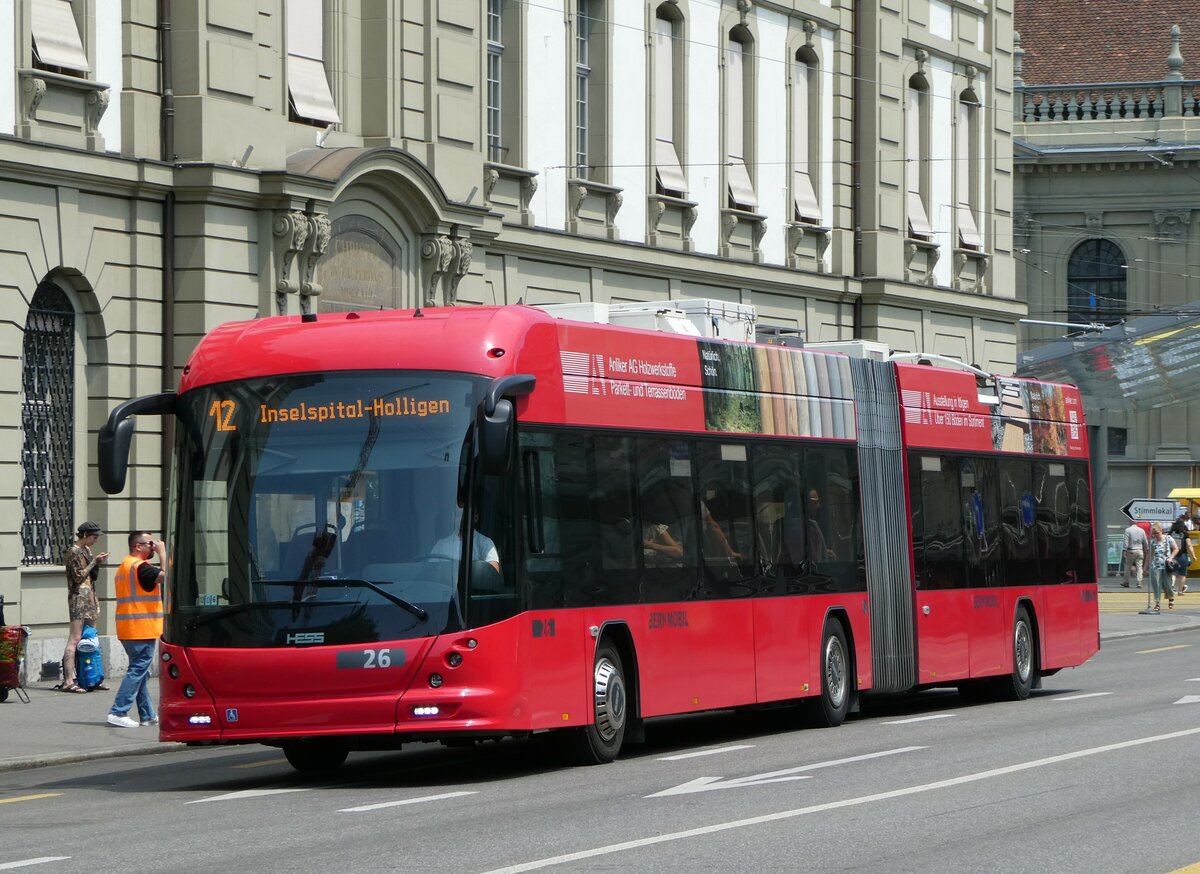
139	625
1137	547
83	570
1184	555
1163	551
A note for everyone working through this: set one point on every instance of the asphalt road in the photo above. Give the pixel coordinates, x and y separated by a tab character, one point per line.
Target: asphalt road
1095	773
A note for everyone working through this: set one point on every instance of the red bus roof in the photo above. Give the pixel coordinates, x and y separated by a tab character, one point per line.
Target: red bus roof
606	376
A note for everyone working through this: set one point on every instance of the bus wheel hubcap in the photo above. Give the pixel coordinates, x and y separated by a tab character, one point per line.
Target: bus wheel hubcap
610	700
1023	651
835	671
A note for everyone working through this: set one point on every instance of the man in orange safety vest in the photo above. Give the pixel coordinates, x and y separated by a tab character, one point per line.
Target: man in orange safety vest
139	625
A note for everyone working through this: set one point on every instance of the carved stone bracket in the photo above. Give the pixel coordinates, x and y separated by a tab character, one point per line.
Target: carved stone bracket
290	230
732	241
1171	225
462	265
758	230
319	228
729	223
690	216
490	177
744	7
676	230
932	254
1095	221
529	187
964	282
579	192
97	105
796	232
438	254
32	91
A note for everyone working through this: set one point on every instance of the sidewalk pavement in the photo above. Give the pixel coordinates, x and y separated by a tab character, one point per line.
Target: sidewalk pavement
57	728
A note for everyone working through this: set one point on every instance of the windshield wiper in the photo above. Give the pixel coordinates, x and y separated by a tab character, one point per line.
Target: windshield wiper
233	609
374	587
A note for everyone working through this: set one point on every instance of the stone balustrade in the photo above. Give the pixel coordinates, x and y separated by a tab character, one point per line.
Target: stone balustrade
1108	101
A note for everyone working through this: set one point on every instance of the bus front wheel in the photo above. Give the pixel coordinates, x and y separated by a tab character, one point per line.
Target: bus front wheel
835	676
311	758
599	743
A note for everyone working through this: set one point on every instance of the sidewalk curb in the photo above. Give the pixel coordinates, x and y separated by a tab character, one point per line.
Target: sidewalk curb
45	761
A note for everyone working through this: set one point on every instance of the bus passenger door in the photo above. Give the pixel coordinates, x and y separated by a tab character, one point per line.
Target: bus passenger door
942	619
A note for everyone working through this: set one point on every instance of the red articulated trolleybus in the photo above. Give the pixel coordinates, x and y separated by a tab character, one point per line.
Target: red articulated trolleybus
466	523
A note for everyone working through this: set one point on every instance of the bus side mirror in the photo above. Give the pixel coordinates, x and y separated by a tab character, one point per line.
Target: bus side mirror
495	438
496	424
112	443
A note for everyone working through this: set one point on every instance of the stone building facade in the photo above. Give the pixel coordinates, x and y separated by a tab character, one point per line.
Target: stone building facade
166	167
1106	227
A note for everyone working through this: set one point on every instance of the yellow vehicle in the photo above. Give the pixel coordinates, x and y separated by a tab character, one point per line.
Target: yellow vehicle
1190	498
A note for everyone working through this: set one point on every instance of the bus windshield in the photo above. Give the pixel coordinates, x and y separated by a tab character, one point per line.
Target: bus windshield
320	509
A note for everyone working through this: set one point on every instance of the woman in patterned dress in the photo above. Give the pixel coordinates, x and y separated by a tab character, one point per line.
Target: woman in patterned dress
82	571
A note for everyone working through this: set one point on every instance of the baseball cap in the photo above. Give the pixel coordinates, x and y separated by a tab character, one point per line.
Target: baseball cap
89	528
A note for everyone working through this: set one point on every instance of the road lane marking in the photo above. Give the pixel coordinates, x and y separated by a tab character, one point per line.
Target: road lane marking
30	797
1081	697
1189	699
384	804
835	805
245	793
918	719
1164	648
25	863
705	784
711	752
262	764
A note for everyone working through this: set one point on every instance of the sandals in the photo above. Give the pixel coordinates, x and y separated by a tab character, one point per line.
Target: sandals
99	688
72	687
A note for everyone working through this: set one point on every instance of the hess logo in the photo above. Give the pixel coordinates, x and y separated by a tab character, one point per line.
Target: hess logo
303	637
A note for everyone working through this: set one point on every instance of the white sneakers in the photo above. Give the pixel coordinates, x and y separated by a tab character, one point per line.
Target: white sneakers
122	721
151	721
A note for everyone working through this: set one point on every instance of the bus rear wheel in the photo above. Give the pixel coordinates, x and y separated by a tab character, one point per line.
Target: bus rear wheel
835	677
599	743
314	758
1017	685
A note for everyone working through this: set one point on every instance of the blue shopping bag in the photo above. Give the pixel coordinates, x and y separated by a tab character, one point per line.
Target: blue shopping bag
89	660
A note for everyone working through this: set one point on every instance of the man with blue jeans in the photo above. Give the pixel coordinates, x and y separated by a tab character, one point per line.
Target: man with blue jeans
139	625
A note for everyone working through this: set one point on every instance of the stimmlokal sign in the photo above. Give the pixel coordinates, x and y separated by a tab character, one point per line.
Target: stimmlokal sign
1151	510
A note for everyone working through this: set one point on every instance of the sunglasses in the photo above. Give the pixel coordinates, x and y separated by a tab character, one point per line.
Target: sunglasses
145	543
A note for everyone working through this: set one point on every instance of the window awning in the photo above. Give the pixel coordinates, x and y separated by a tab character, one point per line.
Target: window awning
1143	364
918	223
56	39
666	165
741	191
309	89
807	208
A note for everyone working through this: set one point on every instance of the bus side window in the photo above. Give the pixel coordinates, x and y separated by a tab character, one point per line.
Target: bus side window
613	542
779	515
553	513
667	508
726	522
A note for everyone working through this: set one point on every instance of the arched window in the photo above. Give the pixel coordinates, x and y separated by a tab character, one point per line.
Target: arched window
917	136
47	420
668	106
739	118
806	118
1096	283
